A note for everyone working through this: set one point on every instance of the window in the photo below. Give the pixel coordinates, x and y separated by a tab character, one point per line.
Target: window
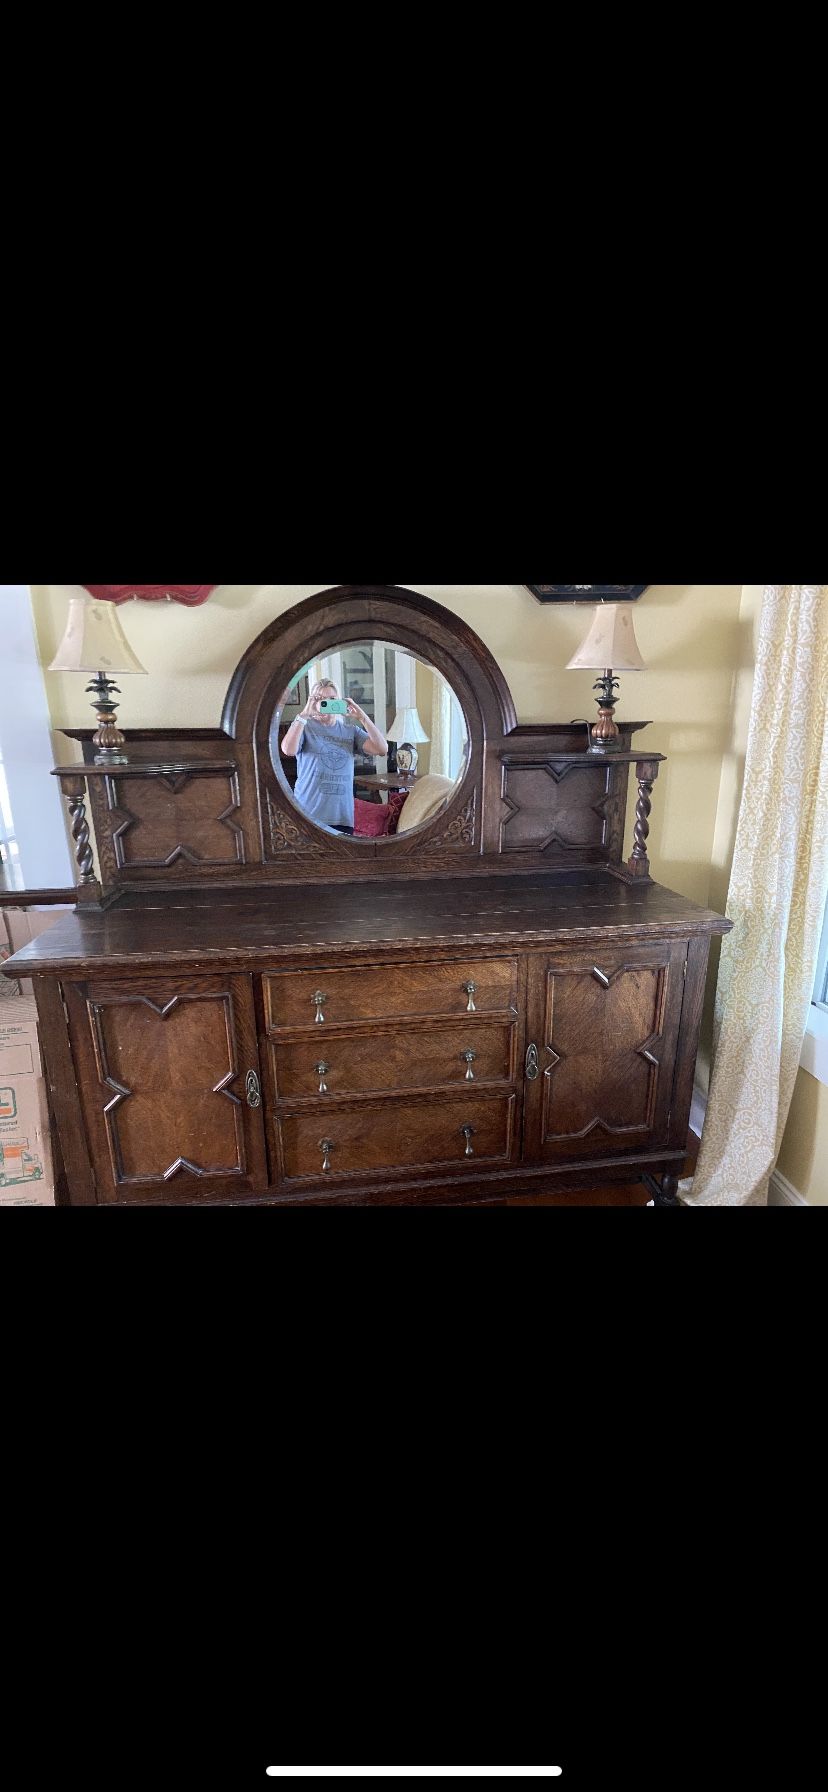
815	1049
34	846
821	990
10	873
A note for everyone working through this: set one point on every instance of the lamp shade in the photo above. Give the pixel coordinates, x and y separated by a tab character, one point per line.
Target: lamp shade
94	641
407	726
610	643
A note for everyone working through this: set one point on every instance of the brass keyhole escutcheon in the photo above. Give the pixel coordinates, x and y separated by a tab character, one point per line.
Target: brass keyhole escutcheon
533	1069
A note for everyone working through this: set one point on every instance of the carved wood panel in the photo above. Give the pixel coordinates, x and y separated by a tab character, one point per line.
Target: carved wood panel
606	1024
184	820
556	809
164	1069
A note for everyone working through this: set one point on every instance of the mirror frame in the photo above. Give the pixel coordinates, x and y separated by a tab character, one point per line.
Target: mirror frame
430	633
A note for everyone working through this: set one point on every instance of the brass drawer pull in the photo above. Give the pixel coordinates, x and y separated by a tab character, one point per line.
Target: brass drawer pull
470	990
322	1071
469	1058
532	1064
254	1090
468	1134
320	1001
326	1146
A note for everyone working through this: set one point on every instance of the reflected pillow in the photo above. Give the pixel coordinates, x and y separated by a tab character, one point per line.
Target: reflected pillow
371	819
396	803
429	795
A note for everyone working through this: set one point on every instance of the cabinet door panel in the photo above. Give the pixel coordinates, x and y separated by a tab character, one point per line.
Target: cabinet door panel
606	1023
164	1073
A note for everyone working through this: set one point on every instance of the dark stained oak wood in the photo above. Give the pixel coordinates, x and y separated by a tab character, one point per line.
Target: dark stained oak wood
201	928
416	1057
490	1010
163	1077
321	1000
64	1092
410	1132
607	1027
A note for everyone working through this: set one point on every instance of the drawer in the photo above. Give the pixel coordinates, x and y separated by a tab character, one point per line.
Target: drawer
382	992
415	1058
395	1134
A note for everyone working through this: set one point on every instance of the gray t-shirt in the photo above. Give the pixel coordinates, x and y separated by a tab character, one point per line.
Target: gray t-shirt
325	757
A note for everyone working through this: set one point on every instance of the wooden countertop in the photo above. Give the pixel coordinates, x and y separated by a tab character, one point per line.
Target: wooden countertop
204	927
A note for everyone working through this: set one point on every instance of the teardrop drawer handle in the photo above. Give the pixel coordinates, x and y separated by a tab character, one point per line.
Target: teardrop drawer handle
320	1001
469	1058
322	1071
470	989
468	1134
326	1146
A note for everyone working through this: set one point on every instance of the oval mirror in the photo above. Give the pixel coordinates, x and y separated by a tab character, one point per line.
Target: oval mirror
370	741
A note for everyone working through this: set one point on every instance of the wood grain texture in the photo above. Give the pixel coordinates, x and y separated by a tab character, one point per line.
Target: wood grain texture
400	1134
468	986
607	1027
420	1056
162	1072
202	928
64	1093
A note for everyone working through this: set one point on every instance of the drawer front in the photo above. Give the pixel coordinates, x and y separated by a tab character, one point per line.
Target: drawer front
382	992
392	1135
416	1058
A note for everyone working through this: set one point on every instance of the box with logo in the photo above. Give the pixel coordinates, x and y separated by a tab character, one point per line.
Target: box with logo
26	1177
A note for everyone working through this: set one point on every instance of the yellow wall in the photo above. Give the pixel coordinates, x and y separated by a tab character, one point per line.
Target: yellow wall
804	1155
699	645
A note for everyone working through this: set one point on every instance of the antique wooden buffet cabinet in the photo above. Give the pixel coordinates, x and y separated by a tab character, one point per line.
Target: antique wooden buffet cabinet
245	1009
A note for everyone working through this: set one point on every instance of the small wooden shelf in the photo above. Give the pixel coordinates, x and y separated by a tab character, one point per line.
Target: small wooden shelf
144	768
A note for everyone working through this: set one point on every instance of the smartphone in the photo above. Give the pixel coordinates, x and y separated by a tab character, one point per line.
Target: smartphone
331	707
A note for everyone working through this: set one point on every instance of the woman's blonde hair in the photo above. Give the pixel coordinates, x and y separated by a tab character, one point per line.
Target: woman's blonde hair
324	684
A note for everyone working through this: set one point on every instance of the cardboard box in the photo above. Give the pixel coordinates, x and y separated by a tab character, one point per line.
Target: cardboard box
26	1174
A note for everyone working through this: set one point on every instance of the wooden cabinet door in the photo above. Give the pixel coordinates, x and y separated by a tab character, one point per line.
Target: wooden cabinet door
169	1078
605	1024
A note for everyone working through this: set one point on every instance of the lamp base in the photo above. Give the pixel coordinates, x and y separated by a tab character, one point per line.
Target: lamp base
107	737
408	758
605	734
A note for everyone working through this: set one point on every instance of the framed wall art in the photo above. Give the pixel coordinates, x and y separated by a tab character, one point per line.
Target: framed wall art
587	594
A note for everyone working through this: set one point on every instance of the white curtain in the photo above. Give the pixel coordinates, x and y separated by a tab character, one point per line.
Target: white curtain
441	708
777	900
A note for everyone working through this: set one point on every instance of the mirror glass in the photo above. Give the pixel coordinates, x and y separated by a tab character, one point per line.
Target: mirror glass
371	741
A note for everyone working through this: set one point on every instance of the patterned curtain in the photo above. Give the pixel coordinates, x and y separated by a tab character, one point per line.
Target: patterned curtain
777	899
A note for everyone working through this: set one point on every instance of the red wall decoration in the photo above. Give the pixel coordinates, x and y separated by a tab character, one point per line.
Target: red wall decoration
182	594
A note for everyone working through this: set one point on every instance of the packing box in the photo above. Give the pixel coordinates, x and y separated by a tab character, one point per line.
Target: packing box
26	1178
26	1174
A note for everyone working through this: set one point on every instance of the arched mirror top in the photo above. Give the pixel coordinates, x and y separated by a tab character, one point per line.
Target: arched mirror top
426	629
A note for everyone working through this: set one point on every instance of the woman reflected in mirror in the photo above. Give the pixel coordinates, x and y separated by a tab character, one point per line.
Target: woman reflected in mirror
325	744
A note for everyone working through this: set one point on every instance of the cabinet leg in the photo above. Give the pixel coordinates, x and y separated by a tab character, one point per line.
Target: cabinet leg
665	1192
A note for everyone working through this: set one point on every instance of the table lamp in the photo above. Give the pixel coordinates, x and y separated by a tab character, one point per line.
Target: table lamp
95	642
611	647
407	732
